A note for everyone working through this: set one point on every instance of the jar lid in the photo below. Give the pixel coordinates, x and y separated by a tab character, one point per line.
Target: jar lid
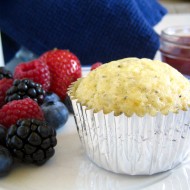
177	34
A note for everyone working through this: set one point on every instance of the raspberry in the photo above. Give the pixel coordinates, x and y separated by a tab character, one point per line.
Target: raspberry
11	112
95	65
5	84
35	70
4	73
64	69
32	141
25	88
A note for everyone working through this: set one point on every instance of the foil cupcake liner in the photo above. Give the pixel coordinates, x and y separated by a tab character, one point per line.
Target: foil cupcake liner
133	145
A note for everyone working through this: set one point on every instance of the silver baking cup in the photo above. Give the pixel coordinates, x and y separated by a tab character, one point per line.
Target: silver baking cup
133	145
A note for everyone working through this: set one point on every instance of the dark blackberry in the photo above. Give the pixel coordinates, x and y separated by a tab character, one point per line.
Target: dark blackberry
32	141
3	132
25	88
6	161
4	73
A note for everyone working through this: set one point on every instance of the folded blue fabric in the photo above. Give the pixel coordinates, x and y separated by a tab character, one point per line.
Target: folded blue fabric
94	30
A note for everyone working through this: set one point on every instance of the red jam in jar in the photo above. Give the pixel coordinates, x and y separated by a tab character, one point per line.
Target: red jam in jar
175	48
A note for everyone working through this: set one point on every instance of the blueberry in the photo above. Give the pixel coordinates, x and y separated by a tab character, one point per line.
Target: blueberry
51	97
56	113
6	161
3	132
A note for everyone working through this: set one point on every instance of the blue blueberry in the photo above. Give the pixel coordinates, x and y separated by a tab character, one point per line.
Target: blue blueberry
56	113
51	97
3	132
6	161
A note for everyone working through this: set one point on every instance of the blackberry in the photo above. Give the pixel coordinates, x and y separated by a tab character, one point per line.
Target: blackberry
4	73
6	161
25	88
31	141
3	132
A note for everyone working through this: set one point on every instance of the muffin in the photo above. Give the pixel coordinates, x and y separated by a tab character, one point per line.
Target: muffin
132	116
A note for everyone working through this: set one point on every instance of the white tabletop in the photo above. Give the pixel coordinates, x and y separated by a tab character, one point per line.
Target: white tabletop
70	169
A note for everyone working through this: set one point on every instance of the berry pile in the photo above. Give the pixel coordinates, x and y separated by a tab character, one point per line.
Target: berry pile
32	107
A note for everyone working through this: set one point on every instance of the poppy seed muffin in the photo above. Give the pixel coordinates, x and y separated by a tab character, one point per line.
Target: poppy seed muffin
132	116
133	85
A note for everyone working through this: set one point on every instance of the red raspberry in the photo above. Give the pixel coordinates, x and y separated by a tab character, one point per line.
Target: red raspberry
5	84
35	70
64	69
95	65
27	108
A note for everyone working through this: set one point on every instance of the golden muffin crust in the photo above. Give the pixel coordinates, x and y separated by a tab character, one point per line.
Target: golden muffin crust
133	85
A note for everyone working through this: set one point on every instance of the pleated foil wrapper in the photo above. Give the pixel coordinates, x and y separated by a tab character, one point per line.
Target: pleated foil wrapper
133	145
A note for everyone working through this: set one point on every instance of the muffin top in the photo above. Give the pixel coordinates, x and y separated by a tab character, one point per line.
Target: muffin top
134	86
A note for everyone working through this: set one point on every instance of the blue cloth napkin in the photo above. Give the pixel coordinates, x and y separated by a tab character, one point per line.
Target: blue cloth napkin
95	30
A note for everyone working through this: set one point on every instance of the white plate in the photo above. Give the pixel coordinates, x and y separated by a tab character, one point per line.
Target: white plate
70	169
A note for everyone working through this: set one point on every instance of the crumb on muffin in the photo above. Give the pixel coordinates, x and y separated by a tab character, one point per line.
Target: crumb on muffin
134	86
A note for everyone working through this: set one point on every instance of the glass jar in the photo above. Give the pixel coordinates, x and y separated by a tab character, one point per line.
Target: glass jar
22	55
175	48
